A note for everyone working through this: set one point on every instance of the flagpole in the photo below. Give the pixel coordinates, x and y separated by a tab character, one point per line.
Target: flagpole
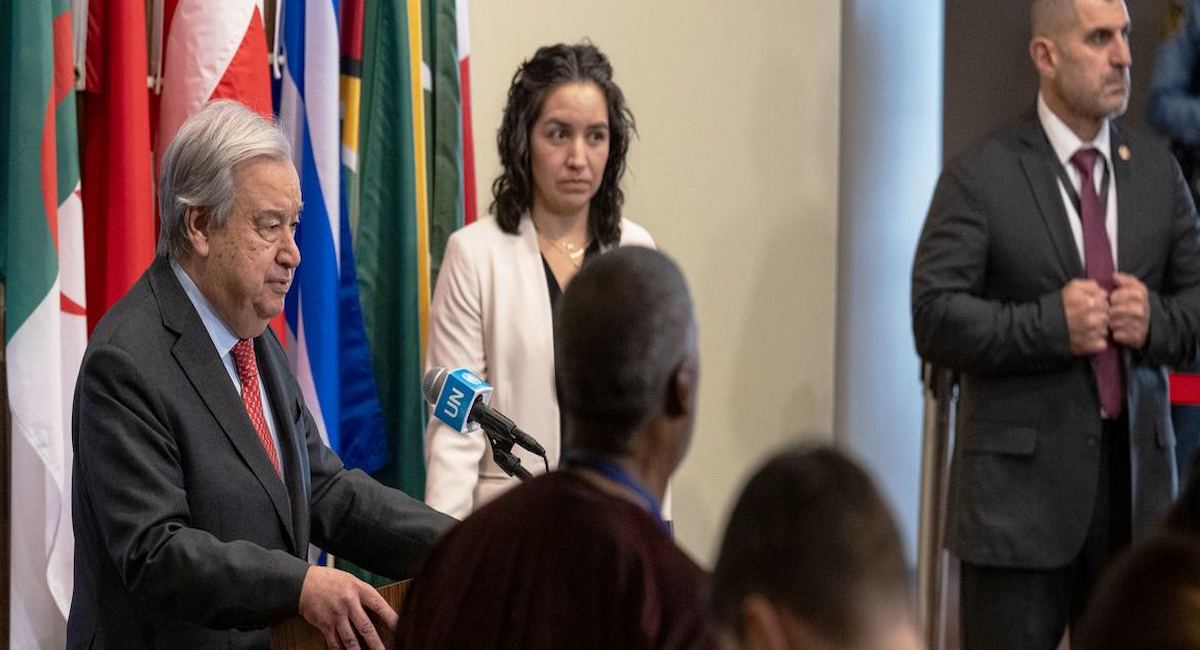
79	14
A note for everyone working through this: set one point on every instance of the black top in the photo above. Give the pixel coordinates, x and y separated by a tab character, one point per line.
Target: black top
592	250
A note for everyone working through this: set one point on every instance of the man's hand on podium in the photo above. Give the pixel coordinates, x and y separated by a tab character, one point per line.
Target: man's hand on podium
336	603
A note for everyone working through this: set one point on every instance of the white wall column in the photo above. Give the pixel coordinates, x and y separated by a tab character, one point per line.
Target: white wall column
890	157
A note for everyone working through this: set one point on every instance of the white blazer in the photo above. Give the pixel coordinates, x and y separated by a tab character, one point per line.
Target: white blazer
491	313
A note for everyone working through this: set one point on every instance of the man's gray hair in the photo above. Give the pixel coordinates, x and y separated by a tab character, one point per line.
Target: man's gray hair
198	170
623	326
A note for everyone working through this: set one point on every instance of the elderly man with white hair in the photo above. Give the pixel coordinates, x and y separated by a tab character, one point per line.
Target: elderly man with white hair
200	477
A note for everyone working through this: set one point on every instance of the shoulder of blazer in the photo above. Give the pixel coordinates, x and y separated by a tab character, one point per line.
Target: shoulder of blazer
177	309
1142	150
482	245
482	233
1010	143
633	234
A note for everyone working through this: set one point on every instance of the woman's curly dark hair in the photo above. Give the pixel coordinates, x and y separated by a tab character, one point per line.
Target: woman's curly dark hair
551	67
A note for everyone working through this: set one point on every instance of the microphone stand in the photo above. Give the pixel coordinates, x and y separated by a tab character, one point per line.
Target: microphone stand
502	454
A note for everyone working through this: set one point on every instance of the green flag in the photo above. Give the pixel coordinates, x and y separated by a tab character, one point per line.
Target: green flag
391	248
444	128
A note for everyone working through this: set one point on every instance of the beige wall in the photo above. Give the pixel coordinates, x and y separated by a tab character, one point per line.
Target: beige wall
735	174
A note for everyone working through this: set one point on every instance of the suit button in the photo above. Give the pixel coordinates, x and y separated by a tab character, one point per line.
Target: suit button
1092	440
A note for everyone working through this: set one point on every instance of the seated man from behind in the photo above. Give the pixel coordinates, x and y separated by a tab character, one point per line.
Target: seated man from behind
812	559
581	557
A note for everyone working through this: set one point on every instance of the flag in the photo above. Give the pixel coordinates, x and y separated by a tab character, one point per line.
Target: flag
447	197
391	246
41	263
119	196
212	49
464	91
351	98
326	342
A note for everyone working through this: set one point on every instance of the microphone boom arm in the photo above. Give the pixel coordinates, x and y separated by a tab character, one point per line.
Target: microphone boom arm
502	454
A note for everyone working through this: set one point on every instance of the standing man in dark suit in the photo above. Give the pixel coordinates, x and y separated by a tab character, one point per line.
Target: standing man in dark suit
1058	273
199	476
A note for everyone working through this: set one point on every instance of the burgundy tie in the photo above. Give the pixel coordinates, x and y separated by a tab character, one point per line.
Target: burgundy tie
247	369
1098	261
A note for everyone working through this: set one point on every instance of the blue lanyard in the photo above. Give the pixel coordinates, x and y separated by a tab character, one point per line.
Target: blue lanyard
613	471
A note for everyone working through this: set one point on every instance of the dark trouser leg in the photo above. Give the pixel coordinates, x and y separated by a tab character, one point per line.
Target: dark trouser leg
1015	609
1003	608
1111	527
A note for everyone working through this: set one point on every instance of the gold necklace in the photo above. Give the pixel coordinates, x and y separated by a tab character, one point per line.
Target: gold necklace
573	252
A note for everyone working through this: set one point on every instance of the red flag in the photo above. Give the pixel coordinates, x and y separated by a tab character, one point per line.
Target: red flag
118	198
212	49
464	90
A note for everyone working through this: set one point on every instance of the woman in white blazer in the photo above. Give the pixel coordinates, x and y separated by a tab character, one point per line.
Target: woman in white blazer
557	202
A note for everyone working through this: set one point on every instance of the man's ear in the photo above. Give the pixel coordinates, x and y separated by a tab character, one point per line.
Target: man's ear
1044	53
769	625
681	390
197	224
762	624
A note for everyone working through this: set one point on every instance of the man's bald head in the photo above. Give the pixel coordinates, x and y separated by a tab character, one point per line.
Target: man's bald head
1051	17
1080	49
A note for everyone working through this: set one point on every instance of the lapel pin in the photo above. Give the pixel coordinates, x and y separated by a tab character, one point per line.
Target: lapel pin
1123	152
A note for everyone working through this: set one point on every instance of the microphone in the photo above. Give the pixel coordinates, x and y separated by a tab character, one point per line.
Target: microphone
460	401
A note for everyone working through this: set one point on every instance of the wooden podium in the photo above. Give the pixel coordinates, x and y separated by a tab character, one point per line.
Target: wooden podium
296	634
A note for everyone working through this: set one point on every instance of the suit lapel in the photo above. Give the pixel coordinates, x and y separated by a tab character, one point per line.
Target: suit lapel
292	440
196	355
1037	158
1128	198
531	279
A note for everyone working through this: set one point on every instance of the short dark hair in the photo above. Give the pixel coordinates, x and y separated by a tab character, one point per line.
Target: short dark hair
623	326
1147	599
553	66
811	533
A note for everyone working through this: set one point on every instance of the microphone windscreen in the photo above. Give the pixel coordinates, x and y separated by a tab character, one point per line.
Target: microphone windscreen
432	382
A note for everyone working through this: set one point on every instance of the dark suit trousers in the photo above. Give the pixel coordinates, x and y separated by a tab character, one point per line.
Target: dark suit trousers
1022	609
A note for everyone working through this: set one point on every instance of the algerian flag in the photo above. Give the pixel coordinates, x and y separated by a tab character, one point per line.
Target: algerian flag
41	264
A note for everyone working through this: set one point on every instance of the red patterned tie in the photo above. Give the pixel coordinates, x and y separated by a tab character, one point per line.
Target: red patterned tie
1098	261
247	369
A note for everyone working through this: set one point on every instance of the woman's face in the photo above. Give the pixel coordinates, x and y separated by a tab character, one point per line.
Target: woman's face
568	149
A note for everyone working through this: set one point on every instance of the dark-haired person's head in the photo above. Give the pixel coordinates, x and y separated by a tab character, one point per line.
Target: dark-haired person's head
1149	598
812	559
625	358
576	78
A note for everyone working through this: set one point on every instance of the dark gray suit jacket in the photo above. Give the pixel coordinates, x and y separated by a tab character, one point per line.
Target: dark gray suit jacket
994	255
183	530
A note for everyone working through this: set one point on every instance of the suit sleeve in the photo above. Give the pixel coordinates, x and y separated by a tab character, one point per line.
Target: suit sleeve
956	323
1174	336
455	340
129	464
354	516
